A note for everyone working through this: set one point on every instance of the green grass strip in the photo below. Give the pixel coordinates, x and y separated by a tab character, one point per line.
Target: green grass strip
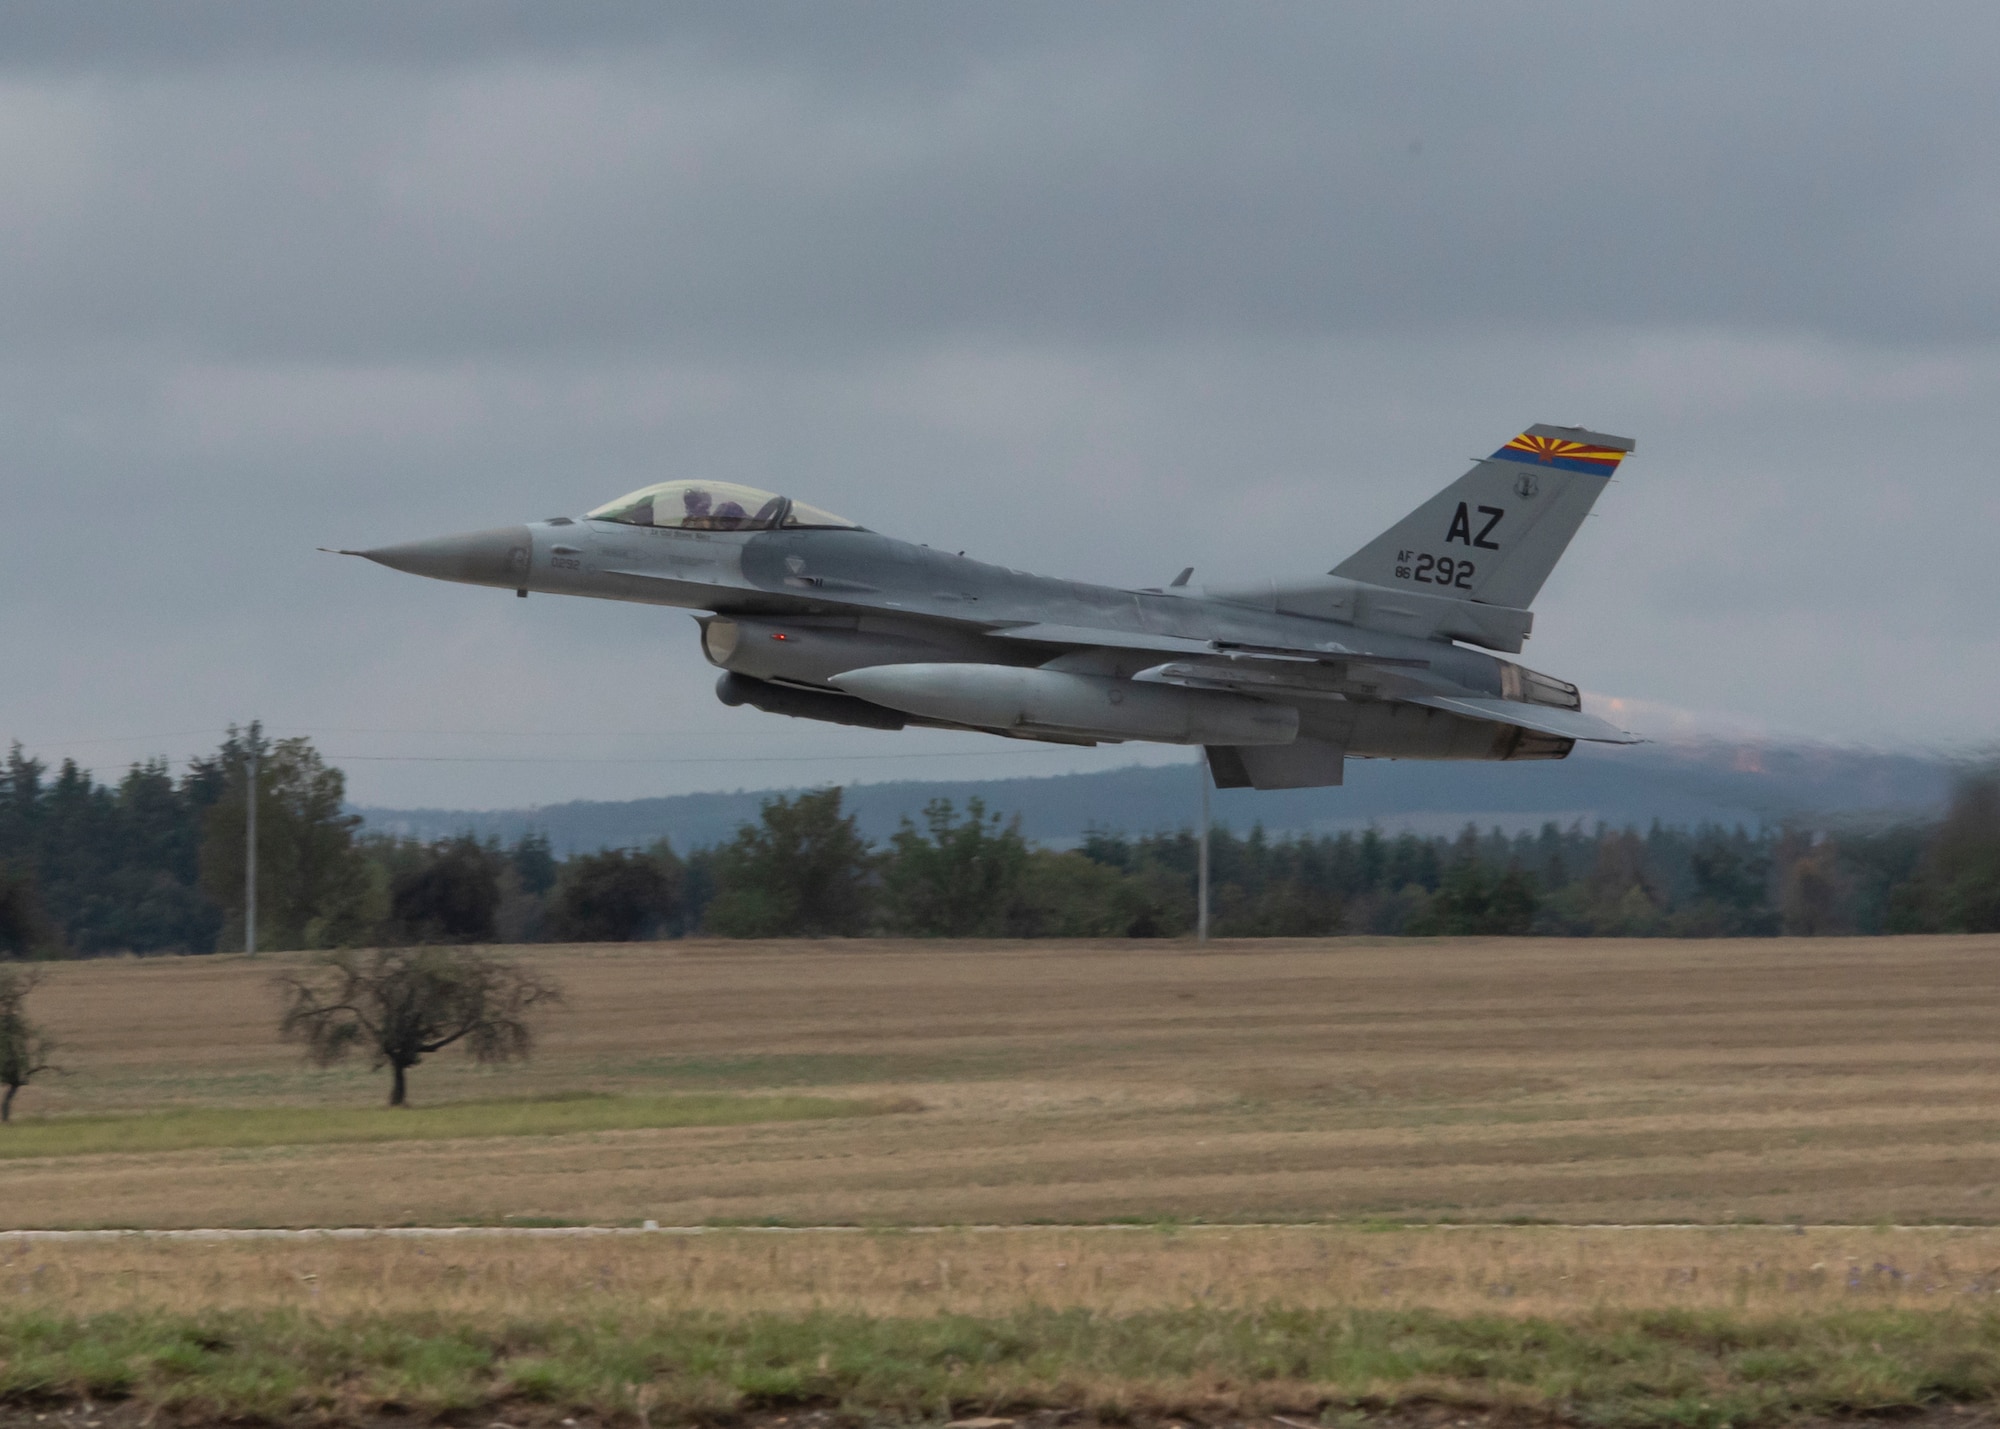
194	1128
1693	1370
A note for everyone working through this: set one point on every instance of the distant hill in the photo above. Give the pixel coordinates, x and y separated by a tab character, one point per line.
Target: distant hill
1750	784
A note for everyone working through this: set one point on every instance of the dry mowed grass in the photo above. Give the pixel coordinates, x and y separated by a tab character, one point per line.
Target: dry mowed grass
1559	1272
1818	1081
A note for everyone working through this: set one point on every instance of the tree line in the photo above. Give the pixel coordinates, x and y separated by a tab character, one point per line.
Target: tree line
155	863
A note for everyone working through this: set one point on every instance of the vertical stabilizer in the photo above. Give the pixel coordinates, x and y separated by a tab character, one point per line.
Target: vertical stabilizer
1495	534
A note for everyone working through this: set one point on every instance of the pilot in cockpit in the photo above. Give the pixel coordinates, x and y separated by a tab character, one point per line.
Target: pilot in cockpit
715	506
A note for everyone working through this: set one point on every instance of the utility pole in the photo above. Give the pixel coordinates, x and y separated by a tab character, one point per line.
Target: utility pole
1201	862
250	852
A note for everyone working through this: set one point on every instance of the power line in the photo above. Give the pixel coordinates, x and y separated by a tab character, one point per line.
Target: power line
432	733
545	759
583	759
125	738
526	733
649	759
449	734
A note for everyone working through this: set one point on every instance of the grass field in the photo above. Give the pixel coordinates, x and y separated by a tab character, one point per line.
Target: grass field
1520	1272
205	1128
1824	1081
1370	1087
1621	1368
1715	1327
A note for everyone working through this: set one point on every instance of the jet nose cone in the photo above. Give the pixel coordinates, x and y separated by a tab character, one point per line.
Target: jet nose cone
498	557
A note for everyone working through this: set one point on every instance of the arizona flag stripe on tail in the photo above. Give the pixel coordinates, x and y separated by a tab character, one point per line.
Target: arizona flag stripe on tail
1543	450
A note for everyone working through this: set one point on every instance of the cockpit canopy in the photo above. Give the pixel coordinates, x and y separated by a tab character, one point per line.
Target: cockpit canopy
715	506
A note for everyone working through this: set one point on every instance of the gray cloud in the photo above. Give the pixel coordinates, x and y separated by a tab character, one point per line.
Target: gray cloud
1094	289
338	183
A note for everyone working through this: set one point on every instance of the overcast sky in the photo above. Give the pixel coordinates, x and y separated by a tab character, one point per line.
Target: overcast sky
1098	290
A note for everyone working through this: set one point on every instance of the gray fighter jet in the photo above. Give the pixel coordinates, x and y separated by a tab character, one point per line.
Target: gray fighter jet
811	615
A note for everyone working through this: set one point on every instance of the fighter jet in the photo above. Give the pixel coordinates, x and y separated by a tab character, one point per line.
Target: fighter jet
1384	657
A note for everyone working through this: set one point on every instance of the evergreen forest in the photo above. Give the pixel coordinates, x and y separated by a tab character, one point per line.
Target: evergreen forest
155	863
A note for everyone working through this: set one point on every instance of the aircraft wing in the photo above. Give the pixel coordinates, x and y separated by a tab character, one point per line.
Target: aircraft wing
1044	634
1099	638
1250	673
1543	719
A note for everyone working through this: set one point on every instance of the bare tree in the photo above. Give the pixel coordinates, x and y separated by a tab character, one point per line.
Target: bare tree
402	1004
25	1047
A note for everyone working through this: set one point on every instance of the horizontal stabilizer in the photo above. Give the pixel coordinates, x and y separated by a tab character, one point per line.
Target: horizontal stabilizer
1543	719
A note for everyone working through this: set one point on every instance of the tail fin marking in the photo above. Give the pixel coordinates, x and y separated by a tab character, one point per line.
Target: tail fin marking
1494	535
